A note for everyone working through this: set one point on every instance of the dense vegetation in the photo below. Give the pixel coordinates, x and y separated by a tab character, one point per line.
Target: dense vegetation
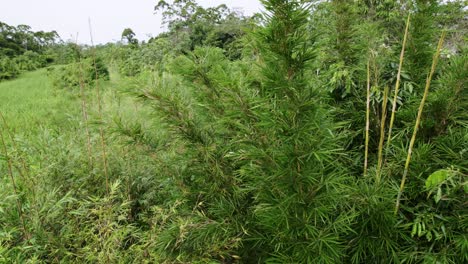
22	49
316	132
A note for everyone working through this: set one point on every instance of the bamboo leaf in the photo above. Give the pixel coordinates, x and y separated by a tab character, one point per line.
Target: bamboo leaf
436	178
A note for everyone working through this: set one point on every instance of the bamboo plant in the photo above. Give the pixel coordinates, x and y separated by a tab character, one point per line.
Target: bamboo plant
397	84
418	120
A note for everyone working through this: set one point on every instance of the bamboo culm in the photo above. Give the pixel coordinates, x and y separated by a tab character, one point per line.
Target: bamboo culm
418	120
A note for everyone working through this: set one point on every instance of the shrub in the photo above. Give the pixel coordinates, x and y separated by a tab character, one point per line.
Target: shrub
8	69
71	75
30	60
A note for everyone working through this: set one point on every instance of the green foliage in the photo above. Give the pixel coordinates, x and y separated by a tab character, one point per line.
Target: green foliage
65	53
30	60
131	61
8	68
23	50
12	67
73	75
377	236
449	100
15	41
228	145
191	25
129	36
265	209
436	178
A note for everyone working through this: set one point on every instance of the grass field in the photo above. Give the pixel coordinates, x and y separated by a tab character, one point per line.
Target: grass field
30	103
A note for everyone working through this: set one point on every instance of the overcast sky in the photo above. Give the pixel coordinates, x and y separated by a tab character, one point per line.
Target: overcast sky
108	17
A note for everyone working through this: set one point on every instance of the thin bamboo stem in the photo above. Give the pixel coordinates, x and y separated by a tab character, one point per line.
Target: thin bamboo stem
85	112
397	84
418	119
382	134
366	153
19	205
101	129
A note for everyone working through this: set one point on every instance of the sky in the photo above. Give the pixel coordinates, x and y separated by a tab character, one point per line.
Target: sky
108	17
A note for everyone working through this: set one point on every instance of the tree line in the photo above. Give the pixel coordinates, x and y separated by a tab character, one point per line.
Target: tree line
22	49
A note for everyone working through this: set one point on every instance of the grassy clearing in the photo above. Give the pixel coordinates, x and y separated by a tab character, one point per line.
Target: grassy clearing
29	103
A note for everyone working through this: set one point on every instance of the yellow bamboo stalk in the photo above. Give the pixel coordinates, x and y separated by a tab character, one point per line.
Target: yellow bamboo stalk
98	95
397	85
418	119
382	134
366	153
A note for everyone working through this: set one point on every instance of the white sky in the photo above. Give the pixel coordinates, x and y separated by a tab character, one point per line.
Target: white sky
108	17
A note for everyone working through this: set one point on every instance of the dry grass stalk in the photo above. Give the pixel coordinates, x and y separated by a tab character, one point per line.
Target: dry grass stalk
397	84
435	60
366	153
382	134
99	103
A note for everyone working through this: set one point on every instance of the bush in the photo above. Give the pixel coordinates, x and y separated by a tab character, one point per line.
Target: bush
149	56
71	75
8	69
30	60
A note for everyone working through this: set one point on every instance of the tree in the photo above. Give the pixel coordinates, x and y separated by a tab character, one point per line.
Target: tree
16	40
22	49
129	36
191	25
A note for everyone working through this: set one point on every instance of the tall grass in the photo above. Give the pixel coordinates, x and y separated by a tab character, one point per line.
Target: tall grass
29	104
23	168
19	204
84	111
99	103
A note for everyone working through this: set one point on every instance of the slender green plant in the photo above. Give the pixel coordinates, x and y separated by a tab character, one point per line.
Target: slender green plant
418	120
366	151
382	134
99	103
84	111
